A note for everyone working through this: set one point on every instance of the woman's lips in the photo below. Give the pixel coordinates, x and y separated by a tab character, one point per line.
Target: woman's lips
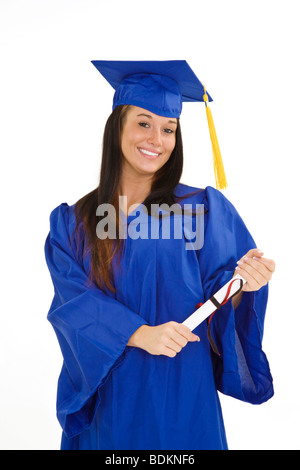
148	153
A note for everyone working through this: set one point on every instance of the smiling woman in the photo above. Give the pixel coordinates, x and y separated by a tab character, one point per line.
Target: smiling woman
134	376
147	142
126	170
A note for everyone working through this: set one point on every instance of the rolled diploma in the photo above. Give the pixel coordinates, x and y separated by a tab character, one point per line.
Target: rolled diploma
208	307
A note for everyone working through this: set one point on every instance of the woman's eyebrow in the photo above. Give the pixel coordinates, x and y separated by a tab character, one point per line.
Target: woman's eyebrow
150	117
146	115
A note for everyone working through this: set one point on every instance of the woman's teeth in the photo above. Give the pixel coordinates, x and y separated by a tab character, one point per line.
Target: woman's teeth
146	152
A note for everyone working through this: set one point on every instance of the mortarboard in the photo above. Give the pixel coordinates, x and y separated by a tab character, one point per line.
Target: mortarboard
161	87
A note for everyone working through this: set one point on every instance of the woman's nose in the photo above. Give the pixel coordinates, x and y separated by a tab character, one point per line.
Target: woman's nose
155	137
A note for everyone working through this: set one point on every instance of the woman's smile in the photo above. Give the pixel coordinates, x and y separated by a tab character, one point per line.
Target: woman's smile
148	154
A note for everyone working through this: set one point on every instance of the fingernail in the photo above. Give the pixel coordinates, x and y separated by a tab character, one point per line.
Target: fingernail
238	269
239	262
245	258
260	251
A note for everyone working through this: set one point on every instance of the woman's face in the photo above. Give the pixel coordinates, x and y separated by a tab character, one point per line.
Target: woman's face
147	141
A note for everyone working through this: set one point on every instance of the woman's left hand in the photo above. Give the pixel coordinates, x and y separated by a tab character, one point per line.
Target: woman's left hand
255	269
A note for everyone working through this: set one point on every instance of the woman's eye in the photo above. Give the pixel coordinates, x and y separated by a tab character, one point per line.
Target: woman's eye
146	125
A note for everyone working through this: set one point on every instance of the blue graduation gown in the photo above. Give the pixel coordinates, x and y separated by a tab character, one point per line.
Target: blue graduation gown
112	396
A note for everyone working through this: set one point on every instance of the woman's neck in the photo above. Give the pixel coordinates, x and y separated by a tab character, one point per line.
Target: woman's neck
135	189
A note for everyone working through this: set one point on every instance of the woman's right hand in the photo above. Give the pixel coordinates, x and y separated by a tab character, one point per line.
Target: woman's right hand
167	339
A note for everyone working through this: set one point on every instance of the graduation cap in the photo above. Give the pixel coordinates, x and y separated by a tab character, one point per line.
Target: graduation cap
161	87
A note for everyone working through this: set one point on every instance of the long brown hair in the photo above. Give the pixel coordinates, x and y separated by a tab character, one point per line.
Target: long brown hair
162	191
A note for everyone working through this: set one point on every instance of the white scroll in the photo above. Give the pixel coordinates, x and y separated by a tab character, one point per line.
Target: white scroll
224	294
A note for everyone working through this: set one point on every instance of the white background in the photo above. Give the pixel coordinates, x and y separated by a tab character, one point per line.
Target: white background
53	106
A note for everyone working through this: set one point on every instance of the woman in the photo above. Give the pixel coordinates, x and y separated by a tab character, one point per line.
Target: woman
133	376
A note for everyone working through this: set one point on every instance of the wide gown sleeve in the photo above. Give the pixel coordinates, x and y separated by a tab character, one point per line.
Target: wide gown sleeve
241	369
92	328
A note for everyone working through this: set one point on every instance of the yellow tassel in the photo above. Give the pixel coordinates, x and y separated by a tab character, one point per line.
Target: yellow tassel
220	176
